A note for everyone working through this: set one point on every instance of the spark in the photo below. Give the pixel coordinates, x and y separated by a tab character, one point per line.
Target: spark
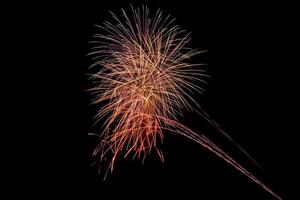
144	81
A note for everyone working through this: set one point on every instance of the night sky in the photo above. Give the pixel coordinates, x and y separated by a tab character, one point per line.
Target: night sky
248	94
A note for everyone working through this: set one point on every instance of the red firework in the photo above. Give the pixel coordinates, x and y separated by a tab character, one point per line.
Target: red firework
144	81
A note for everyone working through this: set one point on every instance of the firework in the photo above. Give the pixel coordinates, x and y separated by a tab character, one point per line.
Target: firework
144	80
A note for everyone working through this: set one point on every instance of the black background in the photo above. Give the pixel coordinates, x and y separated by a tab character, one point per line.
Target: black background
249	94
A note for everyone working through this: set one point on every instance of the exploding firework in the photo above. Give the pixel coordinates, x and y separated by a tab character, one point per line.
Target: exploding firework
144	80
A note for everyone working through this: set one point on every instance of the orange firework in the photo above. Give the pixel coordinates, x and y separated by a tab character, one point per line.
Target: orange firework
144	81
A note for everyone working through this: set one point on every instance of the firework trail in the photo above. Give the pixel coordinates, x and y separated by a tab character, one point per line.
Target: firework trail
144	82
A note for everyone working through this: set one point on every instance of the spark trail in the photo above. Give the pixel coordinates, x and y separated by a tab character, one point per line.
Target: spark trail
144	80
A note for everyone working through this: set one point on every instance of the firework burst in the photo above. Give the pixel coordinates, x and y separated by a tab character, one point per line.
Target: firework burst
144	80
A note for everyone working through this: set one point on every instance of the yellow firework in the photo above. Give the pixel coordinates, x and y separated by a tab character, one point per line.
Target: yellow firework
144	79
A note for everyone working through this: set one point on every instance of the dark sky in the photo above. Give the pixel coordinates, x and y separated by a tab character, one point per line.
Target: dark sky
249	94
